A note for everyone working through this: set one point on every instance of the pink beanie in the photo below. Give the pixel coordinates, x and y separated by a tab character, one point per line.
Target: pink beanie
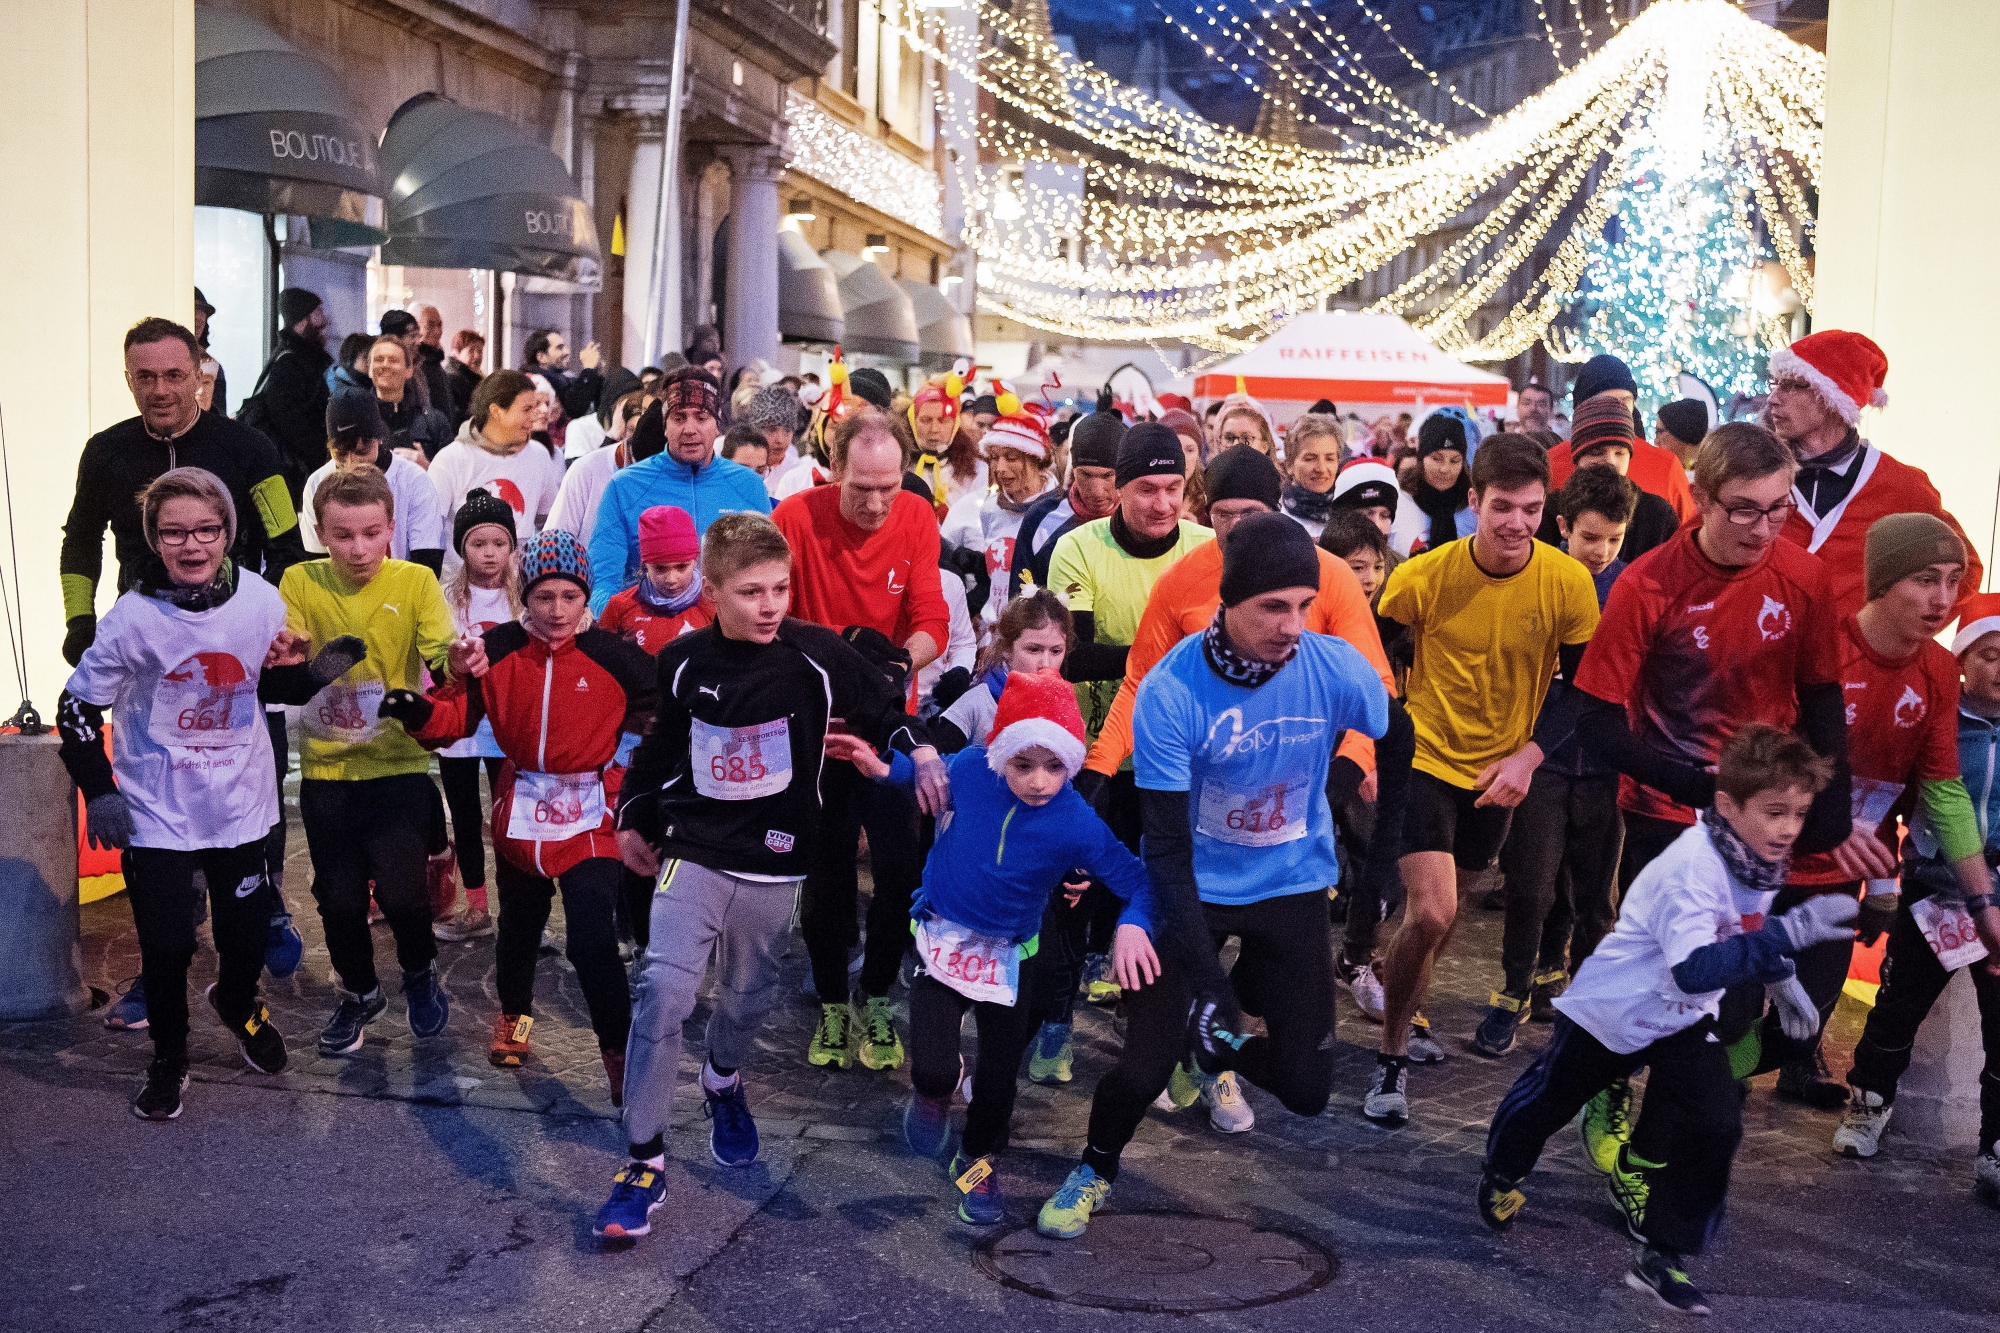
666	536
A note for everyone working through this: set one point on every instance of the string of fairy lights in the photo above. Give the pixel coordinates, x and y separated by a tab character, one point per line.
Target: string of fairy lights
1097	211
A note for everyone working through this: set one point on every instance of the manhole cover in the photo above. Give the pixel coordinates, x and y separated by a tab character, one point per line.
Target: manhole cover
1160	1263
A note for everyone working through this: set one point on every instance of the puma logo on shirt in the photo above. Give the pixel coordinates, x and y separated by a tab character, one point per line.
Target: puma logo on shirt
712	691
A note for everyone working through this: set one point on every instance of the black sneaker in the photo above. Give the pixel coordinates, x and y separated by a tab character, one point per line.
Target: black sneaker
263	1046
1494	1036
1808	1080
429	1009
160	1099
348	1028
1660	1272
1212	1038
1499	1199
1542	1000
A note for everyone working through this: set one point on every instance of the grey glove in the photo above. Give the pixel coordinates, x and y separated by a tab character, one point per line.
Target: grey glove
1797	1014
333	661
933	785
109	818
1818	920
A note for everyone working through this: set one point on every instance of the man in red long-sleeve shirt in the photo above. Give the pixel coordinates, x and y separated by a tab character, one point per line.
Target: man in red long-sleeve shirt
864	553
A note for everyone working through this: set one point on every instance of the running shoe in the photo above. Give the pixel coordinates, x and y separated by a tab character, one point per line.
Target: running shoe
1099	986
160	1097
262	1045
1067	1213
1363	987
1549	986
927	1125
127	1013
1423	1048
831	1041
284	947
510	1040
1504	1016
732	1132
1808	1080
1052	1056
1629	1192
1388	1100
614	1074
1499	1199
1986	1172
464	924
978	1184
348	1028
880	1047
1213	1047
636	1194
425	1000
441	881
1605	1125
1860	1132
1228	1112
1660	1272
1183	1089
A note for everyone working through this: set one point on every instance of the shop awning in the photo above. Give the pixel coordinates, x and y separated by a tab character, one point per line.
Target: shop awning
943	335
880	320
274	133
808	293
469	189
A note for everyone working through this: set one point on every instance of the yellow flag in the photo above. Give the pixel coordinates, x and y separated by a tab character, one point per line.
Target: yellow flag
618	234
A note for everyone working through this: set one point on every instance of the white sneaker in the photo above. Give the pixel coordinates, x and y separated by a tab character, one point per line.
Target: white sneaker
1986	1171
1860	1132
1228	1112
1365	989
1165	1102
1388	1101
1423	1047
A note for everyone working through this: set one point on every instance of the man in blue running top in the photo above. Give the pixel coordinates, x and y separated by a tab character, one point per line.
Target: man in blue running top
1233	733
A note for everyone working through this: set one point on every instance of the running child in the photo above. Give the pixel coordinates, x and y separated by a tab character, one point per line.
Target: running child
667	600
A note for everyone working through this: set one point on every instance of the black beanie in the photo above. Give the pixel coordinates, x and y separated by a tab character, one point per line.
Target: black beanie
1241	473
1149	450
1266	552
352	417
294	304
481	506
1686	420
1602	372
1094	440
1324	407
1440	430
649	432
871	386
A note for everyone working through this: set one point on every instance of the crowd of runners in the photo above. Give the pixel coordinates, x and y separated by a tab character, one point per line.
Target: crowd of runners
1192	716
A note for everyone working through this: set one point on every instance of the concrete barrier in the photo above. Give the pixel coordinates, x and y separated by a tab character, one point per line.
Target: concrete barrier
41	951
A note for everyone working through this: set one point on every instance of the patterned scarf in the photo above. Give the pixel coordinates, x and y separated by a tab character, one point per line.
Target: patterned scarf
156	584
1232	666
1312	506
1747	868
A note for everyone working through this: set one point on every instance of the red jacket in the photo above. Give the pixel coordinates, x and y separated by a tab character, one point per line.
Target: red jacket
1840	538
635	622
558	712
1652	469
843	575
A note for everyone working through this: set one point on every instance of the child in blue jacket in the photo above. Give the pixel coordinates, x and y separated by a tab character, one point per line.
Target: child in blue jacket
1017	828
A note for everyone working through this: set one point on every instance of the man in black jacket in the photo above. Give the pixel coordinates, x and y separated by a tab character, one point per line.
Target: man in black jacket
430	360
427	382
411	425
293	390
547	353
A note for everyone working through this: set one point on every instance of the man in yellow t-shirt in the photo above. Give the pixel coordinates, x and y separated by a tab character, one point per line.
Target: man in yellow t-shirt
365	792
1492	617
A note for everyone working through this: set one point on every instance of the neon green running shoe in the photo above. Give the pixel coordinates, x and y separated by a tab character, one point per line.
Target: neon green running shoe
1067	1213
1100	985
1605	1126
831	1040
1052	1056
881	1048
1629	1190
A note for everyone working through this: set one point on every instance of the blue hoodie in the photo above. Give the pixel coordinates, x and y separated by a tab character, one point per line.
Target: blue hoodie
996	861
721	487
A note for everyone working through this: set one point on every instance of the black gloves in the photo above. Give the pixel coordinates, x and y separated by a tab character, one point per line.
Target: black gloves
951	687
893	662
333	661
1878	914
82	633
1091	785
1343	781
405	706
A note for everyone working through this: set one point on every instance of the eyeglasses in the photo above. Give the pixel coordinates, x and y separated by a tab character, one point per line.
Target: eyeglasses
208	534
1746	516
173	379
1231	439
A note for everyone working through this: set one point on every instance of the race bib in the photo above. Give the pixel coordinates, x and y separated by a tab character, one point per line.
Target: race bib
1949	931
1873	799
1261	816
741	763
979	967
207	702
549	807
348	714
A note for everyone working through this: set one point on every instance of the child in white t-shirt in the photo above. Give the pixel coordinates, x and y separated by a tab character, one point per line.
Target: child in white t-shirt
1691	928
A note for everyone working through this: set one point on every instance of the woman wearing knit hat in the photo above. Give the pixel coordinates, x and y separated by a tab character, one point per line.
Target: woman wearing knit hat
1186	427
1442	490
666	602
1017	827
559	695
989	521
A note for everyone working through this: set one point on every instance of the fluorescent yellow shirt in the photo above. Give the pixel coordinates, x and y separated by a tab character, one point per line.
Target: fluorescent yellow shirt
1091	572
402	617
1485	650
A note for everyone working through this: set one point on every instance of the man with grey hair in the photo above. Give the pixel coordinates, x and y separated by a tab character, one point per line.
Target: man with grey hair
774	414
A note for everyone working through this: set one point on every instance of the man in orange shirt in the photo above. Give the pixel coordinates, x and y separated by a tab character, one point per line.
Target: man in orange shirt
1653	469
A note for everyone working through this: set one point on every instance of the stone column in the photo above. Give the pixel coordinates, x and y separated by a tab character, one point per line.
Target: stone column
41	954
642	207
750	319
1938	1100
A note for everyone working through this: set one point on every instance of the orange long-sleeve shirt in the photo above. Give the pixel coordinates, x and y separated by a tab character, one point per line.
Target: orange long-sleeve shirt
1184	601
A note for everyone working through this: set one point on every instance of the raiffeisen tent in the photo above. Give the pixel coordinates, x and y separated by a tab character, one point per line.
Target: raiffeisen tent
1357	361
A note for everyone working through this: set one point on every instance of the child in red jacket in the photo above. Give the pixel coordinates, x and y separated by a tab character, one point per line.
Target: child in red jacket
667	602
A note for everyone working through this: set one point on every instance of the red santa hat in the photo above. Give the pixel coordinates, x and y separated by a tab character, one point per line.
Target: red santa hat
1979	617
1845	369
1026	430
1036	708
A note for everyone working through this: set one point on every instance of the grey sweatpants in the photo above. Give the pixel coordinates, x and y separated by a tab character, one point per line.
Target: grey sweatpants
696	910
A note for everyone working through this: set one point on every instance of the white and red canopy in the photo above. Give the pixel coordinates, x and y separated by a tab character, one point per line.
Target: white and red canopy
1354	360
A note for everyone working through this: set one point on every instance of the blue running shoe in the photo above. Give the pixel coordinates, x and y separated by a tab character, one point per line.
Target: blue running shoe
732	1133
284	947
979	1201
128	1012
348	1028
636	1194
927	1125
429	1009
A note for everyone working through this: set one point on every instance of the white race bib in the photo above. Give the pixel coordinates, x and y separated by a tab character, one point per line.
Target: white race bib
741	763
549	807
979	967
1948	929
1254	816
207	702
1872	800
349	714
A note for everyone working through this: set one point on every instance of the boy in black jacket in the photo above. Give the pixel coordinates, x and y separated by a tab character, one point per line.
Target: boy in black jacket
725	791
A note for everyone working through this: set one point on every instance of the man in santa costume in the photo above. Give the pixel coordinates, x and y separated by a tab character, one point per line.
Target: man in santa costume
1818	387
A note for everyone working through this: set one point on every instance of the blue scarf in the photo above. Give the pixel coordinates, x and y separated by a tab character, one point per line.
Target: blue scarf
1747	868
653	600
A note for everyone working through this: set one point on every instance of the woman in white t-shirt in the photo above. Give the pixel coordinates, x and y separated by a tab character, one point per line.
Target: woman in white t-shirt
495	451
181	661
